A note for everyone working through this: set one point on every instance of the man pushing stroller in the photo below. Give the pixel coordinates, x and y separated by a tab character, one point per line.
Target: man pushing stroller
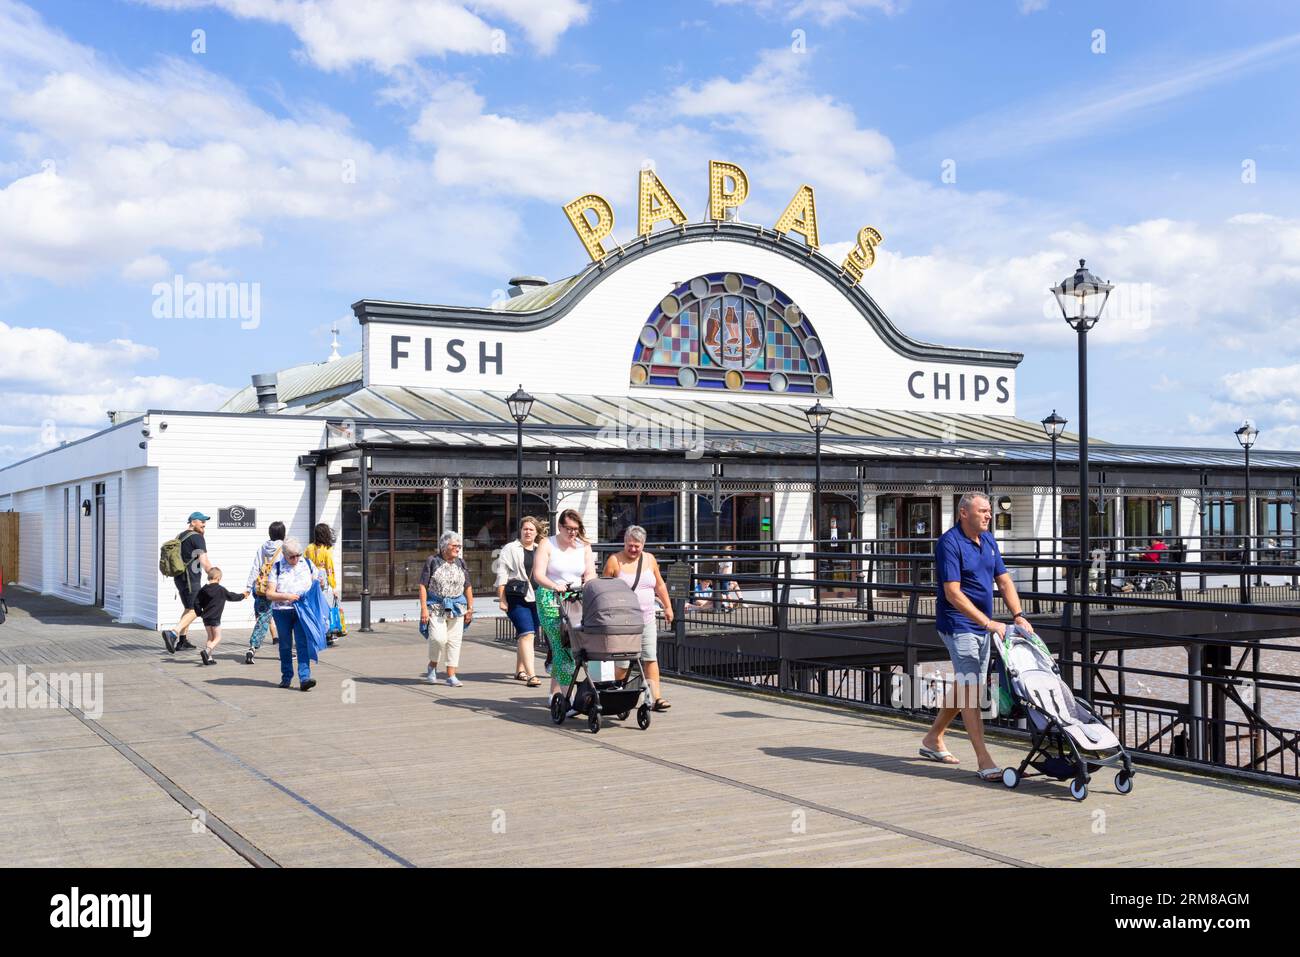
967	562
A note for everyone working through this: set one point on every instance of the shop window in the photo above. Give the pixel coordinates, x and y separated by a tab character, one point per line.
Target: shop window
1276	525
656	512
1222	523
489	523
1147	517
745	520
404	529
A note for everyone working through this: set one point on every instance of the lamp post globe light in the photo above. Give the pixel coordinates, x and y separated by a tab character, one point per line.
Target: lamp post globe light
818	418
1082	297
1246	436
520	404
1054	425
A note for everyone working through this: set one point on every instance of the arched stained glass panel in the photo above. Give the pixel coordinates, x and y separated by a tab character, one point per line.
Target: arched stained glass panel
730	331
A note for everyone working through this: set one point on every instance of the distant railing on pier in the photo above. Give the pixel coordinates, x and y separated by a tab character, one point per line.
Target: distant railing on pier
1227	711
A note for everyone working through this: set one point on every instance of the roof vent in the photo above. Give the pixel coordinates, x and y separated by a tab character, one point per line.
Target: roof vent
522	284
265	385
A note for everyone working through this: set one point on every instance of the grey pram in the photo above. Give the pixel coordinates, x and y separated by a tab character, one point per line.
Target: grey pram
603	622
1068	740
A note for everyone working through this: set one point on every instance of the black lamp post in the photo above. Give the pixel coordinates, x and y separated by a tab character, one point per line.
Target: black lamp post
520	404
1082	297
1247	435
1054	425
818	417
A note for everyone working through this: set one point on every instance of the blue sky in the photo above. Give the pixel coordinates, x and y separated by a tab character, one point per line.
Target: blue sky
1163	149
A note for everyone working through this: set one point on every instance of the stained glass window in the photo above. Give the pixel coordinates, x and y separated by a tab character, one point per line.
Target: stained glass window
730	331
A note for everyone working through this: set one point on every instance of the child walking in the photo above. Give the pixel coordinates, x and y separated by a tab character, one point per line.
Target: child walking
209	605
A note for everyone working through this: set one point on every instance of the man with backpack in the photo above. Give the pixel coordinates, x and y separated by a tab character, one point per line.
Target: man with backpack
185	558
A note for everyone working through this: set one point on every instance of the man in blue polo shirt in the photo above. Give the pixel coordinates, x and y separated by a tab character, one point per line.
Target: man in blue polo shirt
967	562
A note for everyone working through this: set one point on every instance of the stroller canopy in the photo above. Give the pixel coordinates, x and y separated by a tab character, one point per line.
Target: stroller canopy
610	607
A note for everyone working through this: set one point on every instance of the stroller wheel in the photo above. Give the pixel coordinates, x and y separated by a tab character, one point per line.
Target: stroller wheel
622	715
1123	782
559	708
643	717
1009	777
593	722
1078	789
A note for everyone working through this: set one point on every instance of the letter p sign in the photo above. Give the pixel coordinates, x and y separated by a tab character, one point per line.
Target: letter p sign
591	233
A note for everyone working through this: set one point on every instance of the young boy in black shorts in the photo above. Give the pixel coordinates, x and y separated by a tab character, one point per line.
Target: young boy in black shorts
209	604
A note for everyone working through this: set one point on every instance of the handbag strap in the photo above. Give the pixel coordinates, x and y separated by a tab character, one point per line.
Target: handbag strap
637	580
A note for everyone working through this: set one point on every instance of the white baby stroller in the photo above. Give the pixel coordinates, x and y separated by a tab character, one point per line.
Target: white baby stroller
1068	739
603	622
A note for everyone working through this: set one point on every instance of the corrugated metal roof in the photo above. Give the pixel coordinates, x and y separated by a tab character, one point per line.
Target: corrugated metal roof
478	418
301	383
451	408
538	298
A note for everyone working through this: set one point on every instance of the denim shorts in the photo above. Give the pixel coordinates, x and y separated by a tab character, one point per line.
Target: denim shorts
969	653
523	615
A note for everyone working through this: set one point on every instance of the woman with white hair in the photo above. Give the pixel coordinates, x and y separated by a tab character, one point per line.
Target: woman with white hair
289	580
446	607
640	570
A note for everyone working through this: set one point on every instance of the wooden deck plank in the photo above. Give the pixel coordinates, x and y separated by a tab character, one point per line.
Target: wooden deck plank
413	774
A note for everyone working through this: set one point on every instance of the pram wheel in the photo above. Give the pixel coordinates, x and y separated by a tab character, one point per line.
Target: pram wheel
622	715
593	722
1078	789
1009	777
1123	782
643	717
559	707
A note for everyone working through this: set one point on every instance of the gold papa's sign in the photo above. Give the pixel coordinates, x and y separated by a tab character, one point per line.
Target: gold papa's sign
592	217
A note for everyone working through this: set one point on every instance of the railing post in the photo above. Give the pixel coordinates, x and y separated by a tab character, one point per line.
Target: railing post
1195	668
783	606
1067	632
909	649
872	564
1038	605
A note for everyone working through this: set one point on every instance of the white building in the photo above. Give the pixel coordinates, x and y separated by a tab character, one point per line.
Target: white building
693	349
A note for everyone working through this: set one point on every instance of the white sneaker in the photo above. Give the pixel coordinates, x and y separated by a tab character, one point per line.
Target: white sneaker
453	681
431	676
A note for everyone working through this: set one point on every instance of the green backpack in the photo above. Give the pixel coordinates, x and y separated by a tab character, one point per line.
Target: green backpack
170	563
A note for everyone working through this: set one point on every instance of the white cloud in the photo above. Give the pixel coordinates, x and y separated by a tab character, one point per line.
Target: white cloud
1278	384
44	357
536	158
56	389
387	34
146	269
1061	116
124	165
206	270
822	11
792	132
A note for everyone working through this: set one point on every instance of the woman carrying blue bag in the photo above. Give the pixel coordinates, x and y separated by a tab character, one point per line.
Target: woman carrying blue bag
298	606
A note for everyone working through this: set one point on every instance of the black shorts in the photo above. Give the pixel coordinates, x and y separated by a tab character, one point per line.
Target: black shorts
185	588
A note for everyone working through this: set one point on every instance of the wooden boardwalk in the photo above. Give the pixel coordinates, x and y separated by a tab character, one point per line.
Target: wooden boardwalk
218	767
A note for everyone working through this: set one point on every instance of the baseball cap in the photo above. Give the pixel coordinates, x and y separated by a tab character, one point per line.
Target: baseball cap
198	515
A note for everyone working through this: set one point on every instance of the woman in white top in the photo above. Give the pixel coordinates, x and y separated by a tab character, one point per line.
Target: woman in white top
515	595
563	561
290	578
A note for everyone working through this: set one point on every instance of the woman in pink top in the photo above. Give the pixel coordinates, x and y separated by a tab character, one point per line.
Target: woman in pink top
639	569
